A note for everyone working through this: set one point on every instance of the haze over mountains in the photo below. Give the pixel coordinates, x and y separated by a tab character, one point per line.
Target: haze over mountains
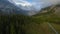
8	8
25	7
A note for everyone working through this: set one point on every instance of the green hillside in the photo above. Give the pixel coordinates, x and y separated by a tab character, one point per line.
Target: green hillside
36	24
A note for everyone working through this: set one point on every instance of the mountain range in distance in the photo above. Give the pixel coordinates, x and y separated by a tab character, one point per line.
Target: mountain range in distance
8	8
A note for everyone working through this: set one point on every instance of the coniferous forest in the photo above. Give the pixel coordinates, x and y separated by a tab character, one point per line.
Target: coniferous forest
36	24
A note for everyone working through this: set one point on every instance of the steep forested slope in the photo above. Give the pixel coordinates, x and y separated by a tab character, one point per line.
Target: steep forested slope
37	24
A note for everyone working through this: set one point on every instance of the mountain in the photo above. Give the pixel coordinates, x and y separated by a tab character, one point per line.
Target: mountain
55	9
8	8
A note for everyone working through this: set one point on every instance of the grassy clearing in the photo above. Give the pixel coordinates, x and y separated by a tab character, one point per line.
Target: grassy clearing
34	28
57	27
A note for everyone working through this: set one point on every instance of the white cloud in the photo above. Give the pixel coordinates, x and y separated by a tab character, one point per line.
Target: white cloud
20	2
34	5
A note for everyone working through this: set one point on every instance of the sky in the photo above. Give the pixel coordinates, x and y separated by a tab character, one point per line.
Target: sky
33	5
27	4
29	0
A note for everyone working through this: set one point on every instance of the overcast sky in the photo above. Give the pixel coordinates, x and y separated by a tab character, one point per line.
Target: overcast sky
35	5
